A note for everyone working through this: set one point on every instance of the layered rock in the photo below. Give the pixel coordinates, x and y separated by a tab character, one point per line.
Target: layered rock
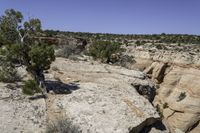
179	96
175	70
183	55
104	100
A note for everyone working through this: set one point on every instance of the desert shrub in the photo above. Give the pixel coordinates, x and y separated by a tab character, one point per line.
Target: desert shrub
65	51
160	111
139	43
125	60
8	74
62	126
30	87
181	96
159	46
165	105
103	50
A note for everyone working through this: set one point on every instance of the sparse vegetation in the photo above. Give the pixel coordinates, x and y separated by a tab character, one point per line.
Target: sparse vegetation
8	73
103	50
156	38
138	43
160	111
165	105
30	87
62	126
181	96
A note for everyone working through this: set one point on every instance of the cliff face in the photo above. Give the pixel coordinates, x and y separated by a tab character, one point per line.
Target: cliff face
176	72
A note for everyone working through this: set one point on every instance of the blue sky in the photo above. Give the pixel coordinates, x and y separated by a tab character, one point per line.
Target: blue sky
113	16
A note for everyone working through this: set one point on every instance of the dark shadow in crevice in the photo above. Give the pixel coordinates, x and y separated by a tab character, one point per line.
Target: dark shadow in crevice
195	125
39	96
158	125
59	87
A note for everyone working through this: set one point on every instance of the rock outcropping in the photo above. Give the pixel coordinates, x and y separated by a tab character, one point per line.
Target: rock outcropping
86	97
104	100
176	71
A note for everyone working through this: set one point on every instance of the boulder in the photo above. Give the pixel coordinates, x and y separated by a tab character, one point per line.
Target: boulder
156	71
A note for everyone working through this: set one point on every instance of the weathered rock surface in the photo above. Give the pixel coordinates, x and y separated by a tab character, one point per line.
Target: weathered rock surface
176	71
67	47
180	91
104	100
93	98
183	55
156	71
18	113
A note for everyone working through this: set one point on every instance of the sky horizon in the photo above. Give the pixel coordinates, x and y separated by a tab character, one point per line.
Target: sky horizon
112	16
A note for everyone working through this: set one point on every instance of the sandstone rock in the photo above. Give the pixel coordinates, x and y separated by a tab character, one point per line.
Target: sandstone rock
141	64
183	121
181	91
105	100
19	114
156	71
180	56
178	84
196	128
70	47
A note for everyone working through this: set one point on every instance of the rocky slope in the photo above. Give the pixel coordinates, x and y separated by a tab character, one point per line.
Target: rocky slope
176	71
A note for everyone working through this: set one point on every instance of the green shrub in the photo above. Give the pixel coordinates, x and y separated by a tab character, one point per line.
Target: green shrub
103	50
30	87
8	74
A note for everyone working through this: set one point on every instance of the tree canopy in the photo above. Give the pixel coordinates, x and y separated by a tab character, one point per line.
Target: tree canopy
19	46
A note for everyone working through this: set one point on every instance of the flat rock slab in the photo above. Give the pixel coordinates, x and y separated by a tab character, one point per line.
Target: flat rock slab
19	114
104	100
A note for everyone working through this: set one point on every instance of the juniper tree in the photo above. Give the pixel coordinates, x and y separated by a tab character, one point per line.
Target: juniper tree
20	47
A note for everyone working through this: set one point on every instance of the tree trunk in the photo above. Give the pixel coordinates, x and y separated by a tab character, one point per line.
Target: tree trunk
40	80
